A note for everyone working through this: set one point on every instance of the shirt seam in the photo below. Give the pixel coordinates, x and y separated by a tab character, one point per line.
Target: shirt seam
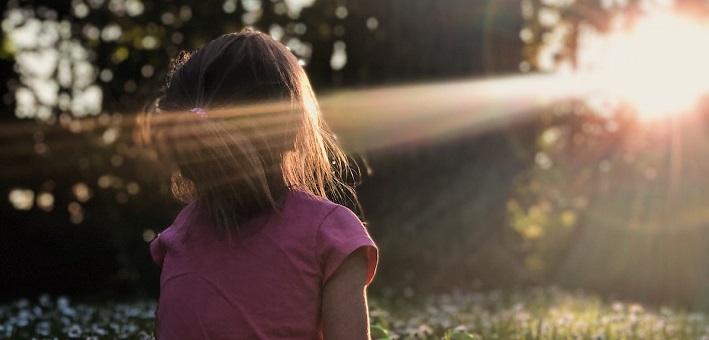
317	233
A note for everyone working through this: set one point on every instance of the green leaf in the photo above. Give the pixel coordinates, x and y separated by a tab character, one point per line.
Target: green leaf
378	333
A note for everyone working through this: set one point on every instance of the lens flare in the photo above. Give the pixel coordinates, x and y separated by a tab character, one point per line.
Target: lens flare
660	65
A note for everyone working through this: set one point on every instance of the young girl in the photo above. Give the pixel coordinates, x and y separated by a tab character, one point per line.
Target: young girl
258	252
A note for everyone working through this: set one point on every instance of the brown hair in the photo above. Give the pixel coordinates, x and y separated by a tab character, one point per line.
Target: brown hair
262	135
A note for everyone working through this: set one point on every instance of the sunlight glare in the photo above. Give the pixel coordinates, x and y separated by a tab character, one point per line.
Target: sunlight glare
660	66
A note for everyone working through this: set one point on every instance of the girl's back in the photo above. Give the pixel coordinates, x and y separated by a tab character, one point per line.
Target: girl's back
267	285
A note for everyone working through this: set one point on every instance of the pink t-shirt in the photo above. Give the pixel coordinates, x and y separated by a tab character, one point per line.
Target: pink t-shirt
264	286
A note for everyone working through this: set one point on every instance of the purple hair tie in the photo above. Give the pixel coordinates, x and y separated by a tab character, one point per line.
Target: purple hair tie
200	112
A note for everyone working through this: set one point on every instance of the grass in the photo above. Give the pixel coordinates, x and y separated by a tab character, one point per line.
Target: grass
534	314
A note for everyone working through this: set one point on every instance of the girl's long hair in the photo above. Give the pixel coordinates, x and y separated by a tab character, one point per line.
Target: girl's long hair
239	123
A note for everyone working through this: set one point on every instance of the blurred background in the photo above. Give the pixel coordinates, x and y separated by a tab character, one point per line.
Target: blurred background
504	143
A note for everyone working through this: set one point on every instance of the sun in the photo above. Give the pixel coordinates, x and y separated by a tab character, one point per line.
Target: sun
660	66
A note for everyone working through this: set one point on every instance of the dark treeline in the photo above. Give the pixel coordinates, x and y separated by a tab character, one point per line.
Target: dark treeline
390	42
471	211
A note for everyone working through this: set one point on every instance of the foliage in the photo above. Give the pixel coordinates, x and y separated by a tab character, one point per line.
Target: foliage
89	170
84	171
608	192
531	314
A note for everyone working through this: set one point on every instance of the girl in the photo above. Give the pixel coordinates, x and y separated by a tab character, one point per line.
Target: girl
258	251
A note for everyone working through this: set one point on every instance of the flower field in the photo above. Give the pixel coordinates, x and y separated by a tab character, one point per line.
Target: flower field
534	314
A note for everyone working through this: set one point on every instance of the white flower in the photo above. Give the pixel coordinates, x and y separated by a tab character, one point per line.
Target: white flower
636	308
23	303
74	331
45	300
22	322
98	330
62	302
43	328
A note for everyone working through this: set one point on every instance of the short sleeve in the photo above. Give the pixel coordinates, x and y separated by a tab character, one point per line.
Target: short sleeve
340	234
157	251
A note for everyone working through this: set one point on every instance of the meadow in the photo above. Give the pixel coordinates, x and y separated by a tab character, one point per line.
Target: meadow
541	313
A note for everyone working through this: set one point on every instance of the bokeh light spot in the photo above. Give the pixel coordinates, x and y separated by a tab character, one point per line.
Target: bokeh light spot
372	23
148	235
45	201
338	60
133	188
341	12
81	191
21	198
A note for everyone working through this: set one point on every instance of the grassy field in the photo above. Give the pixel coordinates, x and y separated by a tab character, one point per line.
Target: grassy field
534	314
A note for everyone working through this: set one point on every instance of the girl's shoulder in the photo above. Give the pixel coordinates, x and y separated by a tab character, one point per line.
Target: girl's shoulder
310	201
186	215
300	204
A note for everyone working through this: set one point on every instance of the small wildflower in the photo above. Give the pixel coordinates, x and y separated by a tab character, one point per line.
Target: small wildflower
62	302
43	328
68	311
460	329
98	330
74	331
45	300
23	303
378	313
22	322
666	311
695	317
636	308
